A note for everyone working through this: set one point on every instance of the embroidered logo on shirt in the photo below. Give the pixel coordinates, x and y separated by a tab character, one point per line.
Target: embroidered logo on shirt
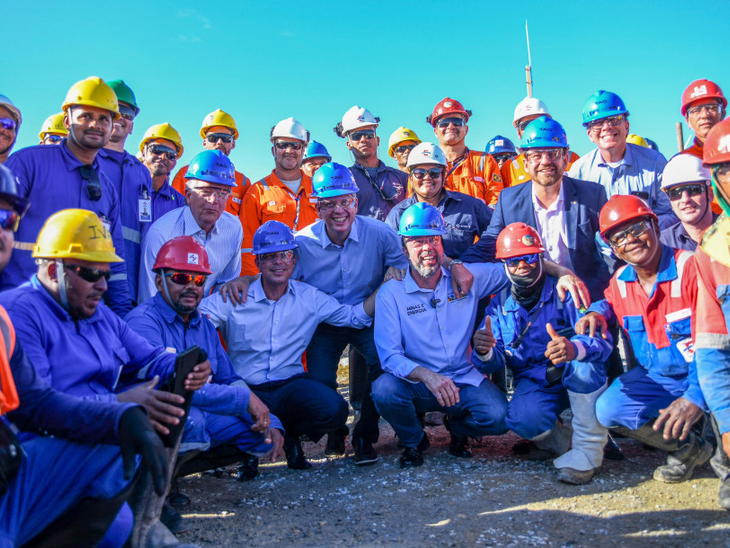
416	309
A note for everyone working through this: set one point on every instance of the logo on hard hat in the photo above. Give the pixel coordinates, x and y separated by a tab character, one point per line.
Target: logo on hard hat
699	91
499	142
724	144
361	118
448	104
193	258
426	153
528	240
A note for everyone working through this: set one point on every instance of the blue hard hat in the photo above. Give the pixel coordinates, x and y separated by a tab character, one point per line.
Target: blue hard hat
9	191
212	166
501	145
316	150
603	104
422	219
273	236
544	132
333	179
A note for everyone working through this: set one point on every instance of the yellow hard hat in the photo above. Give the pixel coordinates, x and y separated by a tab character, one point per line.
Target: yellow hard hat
162	131
75	234
92	92
219	118
53	124
637	140
398	136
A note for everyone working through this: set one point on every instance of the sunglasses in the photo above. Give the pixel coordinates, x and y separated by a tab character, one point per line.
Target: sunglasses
93	184
358	135
286	256
126	112
530	259
283	145
635	230
612	121
502	157
404	148
712	109
9	219
676	192
420	241
537	155
215	137
344	203
91	275
455	121
160	150
419	173
522	125
7	123
183	278
53	138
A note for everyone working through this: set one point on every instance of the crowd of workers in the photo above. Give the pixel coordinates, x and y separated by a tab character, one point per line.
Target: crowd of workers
499	288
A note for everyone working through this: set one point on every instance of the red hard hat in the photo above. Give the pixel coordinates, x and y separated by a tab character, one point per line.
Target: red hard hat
518	239
183	253
447	106
701	89
717	144
621	208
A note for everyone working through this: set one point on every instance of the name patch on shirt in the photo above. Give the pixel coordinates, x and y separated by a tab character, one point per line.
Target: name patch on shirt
416	309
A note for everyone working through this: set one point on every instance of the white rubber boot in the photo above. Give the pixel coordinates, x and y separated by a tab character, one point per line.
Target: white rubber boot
578	465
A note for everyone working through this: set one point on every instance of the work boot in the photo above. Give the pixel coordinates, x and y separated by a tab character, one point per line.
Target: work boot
459	445
612	450
364	452
413	456
294	453
336	442
553	442
248	468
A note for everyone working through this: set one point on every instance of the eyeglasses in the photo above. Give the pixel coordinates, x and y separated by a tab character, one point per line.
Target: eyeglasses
286	256
161	150
551	154
421	241
91	275
93	184
206	192
344	203
612	121
522	125
635	230
126	112
419	173
7	123
283	145
53	138
9	219
404	148
502	157
215	137
712	109
530	259
367	134
454	121
675	193
183	278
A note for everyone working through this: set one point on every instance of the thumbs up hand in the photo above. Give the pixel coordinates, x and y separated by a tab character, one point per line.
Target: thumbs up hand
559	349
484	340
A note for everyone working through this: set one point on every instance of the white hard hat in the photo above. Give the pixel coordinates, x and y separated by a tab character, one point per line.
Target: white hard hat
8	104
683	169
291	129
529	106
354	119
426	153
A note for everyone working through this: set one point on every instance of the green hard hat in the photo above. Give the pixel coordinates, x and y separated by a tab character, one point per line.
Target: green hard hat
124	93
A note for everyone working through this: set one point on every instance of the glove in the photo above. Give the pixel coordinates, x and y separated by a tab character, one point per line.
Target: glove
136	436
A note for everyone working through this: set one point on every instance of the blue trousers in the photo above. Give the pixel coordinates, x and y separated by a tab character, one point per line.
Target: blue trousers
635	398
55	475
481	409
208	430
304	406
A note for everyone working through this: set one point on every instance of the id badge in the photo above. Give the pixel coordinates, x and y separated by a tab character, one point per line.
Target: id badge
145	210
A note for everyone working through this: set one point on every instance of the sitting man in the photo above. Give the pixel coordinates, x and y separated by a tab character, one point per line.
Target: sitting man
224	411
652	299
267	334
519	324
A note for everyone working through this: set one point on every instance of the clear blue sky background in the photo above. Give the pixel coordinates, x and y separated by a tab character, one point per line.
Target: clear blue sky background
265	61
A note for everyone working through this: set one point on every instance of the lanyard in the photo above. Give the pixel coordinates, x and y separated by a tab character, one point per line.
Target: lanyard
377	187
533	316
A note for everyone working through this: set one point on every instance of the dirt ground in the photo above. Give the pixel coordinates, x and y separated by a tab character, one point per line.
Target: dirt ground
494	499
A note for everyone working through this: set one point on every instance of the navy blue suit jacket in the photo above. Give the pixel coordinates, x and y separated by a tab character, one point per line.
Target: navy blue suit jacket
583	203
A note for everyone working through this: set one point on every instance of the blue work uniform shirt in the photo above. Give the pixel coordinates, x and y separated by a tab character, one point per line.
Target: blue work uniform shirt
377	196
49	176
466	219
165	200
353	271
676	236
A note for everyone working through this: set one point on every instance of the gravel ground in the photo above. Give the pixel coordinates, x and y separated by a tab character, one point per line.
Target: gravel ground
494	499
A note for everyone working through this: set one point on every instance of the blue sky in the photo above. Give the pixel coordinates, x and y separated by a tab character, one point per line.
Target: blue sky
264	62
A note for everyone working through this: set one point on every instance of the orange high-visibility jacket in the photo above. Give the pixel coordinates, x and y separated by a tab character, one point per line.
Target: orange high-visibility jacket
271	200
243	184
8	393
476	174
514	172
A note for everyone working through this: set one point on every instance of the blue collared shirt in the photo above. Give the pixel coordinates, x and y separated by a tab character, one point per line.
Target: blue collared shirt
375	198
49	176
676	236
223	245
165	200
89	358
266	339
352	272
466	219
639	172
415	326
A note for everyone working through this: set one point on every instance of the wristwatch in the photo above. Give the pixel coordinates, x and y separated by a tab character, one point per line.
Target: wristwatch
455	261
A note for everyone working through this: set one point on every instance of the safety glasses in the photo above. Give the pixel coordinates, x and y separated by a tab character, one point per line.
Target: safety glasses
419	174
7	123
55	139
91	275
160	150
522	125
502	157
215	137
551	154
612	121
127	112
358	135
9	219
93	184
344	203
421	241
404	148
286	256
208	192
675	193
283	145
183	278
619	239
712	109
454	121
530	259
